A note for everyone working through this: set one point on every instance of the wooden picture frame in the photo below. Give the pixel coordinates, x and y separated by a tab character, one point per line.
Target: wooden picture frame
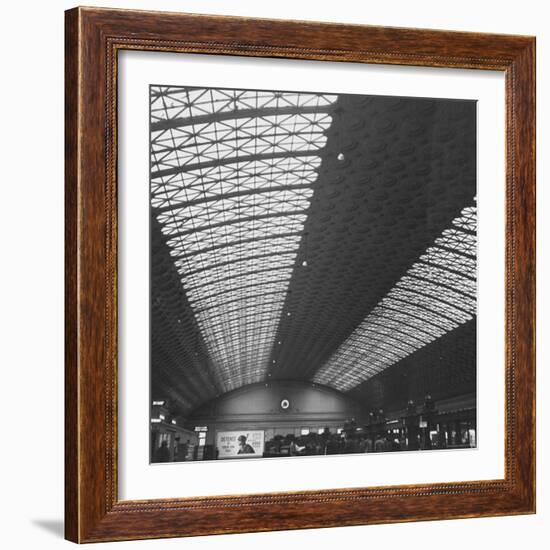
94	37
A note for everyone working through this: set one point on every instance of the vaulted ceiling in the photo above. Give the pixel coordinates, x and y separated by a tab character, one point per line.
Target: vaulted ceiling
305	236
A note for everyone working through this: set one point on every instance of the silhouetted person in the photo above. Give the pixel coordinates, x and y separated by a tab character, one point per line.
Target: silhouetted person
163	454
380	444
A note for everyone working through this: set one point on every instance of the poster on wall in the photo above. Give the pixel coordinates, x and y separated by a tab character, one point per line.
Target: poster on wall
243	444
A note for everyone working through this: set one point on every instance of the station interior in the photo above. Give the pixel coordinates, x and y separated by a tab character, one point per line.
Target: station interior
312	274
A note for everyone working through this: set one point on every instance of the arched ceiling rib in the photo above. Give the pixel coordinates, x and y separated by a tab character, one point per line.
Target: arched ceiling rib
232	177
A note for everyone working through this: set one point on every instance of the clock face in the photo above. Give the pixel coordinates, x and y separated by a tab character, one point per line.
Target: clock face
285	403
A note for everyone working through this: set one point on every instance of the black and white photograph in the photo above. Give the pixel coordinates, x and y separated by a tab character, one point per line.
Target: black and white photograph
313	261
274	274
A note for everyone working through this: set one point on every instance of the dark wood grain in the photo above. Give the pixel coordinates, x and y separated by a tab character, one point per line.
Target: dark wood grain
93	38
71	286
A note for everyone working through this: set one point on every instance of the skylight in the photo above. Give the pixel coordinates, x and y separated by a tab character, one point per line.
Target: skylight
435	296
232	178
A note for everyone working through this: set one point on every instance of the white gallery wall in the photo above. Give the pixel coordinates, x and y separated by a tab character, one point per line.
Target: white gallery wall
31	300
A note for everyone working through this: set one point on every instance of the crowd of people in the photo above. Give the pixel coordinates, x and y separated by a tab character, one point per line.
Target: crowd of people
330	443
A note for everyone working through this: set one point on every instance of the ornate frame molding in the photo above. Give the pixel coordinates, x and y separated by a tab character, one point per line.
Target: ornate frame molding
93	39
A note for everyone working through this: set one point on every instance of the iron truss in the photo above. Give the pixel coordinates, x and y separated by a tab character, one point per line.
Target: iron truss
435	296
232	177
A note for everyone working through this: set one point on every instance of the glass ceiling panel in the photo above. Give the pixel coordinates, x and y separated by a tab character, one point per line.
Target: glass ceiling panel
232	177
436	295
245	137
